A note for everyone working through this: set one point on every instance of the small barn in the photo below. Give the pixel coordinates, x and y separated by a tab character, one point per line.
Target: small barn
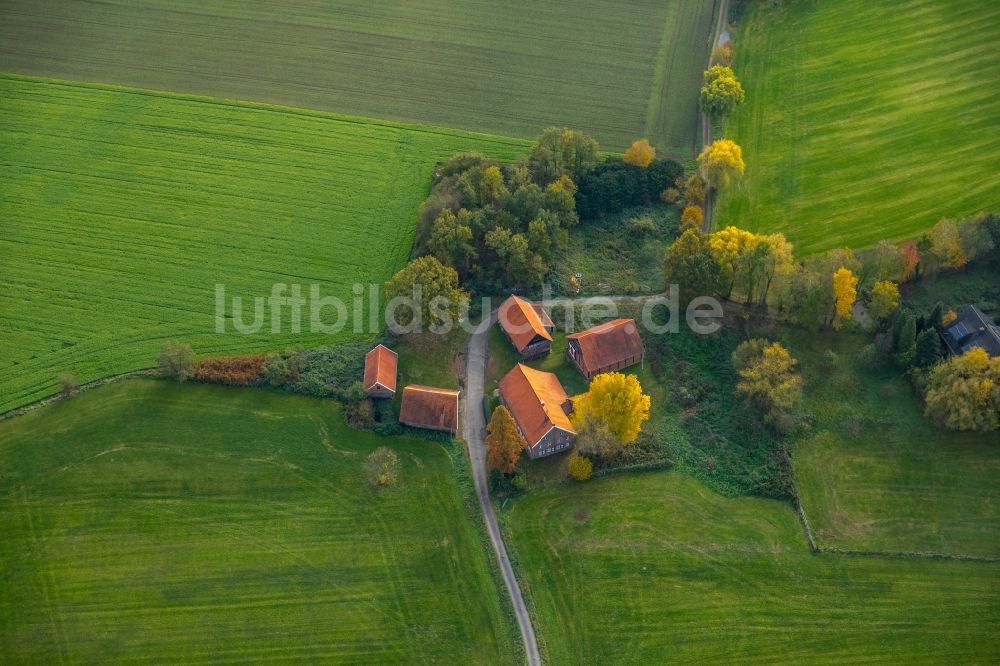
527	326
380	372
972	329
540	408
430	408
605	348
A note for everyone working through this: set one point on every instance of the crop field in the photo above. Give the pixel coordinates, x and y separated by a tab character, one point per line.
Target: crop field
865	120
149	522
618	72
123	209
674	573
875	474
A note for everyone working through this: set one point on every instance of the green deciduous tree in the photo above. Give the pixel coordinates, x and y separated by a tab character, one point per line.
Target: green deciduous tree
884	299
433	288
690	264
560	151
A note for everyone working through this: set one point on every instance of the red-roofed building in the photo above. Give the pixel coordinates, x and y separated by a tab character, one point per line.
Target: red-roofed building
611	346
527	326
380	372
540	408
429	407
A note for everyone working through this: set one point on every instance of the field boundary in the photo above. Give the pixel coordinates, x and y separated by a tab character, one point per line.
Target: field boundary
56	397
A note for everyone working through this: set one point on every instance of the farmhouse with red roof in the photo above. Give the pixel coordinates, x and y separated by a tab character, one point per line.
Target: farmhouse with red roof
527	326
611	346
380	372
540	408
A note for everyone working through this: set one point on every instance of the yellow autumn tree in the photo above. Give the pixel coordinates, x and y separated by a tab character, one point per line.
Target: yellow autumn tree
963	393
720	162
692	218
885	299
768	379
845	292
640	153
617	400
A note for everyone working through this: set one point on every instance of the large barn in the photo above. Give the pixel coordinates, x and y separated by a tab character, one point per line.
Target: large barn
540	408
605	348
429	407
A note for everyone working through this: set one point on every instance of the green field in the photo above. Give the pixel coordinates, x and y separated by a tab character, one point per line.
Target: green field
865	120
618	72
123	209
199	524
875	474
655	568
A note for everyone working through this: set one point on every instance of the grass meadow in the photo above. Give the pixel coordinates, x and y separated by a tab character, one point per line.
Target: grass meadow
656	568
123	209
865	120
875	474
617	72
202	524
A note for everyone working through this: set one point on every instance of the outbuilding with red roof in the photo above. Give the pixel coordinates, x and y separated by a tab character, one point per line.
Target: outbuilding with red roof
429	407
380	372
527	326
611	346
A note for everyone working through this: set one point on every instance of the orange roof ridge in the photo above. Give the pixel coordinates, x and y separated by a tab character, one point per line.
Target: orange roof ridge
432	389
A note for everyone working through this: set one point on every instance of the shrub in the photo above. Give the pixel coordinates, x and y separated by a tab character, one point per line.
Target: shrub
670	195
381	467
230	370
281	368
361	414
691	218
640	153
723	54
330	372
176	360
67	383
580	467
641	226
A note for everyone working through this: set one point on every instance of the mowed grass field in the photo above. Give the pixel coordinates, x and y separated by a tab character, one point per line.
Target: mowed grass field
144	521
865	120
616	71
875	474
123	209
655	568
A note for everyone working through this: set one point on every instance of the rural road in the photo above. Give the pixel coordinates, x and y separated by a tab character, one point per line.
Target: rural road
706	119
474	430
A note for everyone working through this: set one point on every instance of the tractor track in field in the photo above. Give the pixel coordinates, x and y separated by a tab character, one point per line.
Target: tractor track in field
706	119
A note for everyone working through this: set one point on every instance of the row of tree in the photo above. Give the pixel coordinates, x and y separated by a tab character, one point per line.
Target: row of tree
759	269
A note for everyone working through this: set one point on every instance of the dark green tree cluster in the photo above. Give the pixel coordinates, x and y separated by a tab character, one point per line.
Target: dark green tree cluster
498	225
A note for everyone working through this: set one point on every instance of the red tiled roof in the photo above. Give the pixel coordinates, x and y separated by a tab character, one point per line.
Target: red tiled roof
429	407
536	400
608	344
380	367
522	322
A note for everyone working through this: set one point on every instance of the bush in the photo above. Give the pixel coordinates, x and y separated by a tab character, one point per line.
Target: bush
381	467
580	467
641	226
176	360
331	372
280	369
670	195
361	414
230	370
67	383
